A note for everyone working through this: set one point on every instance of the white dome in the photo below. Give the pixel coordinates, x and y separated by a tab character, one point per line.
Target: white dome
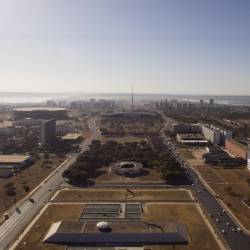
102	225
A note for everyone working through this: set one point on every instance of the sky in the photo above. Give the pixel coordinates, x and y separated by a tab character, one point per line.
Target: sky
154	46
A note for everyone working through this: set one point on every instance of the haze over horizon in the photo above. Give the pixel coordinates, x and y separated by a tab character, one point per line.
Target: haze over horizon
108	46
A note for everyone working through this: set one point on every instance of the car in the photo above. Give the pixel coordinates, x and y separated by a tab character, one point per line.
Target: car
31	200
233	229
223	231
18	210
223	211
228	224
217	220
238	229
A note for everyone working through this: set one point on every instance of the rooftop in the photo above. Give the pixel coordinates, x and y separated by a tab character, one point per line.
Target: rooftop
121	231
13	158
72	136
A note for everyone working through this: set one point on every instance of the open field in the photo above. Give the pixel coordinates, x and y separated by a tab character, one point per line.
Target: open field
232	185
120	195
29	177
54	213
188	215
185	213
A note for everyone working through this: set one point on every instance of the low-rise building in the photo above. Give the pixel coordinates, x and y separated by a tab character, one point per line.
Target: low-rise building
191	139
14	162
73	138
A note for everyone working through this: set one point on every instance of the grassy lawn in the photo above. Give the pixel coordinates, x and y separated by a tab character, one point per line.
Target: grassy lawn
200	236
54	213
120	195
30	177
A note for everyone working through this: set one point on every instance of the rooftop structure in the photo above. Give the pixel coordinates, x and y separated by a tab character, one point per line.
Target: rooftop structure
72	137
13	159
39	113
13	163
130	232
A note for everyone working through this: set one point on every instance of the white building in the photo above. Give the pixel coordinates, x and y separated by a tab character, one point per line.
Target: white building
248	157
212	135
216	135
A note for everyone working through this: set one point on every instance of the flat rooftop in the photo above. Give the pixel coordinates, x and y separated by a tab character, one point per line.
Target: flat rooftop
72	136
121	232
13	158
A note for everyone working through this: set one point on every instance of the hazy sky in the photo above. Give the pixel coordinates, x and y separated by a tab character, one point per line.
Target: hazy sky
156	46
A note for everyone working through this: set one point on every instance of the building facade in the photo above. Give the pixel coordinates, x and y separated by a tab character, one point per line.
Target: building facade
48	131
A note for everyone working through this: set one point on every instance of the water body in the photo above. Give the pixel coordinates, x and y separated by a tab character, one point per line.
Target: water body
23	98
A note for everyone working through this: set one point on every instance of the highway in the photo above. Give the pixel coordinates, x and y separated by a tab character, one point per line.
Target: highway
18	220
230	230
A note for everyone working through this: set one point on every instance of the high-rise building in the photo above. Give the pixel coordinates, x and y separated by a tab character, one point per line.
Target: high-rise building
211	102
48	131
248	157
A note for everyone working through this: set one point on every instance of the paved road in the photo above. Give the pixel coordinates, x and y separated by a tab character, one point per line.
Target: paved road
12	227
237	240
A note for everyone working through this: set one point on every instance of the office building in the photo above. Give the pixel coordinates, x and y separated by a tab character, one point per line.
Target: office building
48	131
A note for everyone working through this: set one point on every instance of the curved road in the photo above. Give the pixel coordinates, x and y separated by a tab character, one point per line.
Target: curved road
18	220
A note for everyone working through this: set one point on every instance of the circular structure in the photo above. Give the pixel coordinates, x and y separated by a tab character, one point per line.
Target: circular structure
39	113
127	168
103	225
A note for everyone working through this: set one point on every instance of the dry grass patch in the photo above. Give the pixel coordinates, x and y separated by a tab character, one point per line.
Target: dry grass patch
200	236
120	195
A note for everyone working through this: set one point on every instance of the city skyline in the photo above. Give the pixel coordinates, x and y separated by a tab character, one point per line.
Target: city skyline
172	47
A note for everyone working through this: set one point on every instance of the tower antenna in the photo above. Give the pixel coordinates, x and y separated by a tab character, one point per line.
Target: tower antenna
132	97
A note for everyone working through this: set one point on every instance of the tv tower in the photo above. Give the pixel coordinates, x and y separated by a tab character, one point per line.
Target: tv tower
132	98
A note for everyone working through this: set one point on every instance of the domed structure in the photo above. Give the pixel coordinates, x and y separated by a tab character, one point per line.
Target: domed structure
103	225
